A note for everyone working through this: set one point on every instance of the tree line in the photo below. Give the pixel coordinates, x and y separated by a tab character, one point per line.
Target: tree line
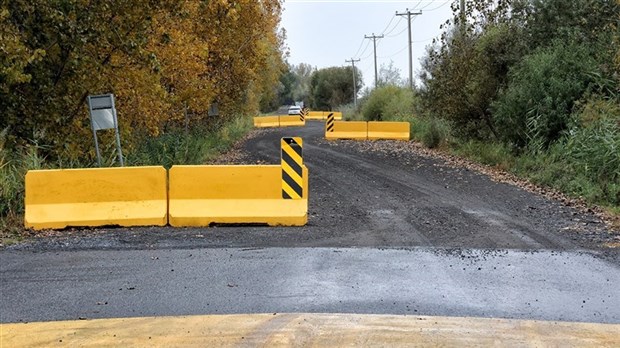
534	82
162	59
319	89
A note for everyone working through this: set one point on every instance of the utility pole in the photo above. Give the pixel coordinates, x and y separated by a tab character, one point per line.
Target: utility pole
353	61
463	17
409	14
374	42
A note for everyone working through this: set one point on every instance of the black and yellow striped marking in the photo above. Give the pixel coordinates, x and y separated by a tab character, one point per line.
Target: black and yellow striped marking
292	171
329	125
302	115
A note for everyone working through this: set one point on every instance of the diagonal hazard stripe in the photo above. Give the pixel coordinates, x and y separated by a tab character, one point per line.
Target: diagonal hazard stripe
290	187
330	127
297	176
294	149
292	158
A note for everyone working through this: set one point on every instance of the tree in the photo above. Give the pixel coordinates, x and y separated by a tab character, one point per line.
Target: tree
332	87
389	75
465	70
159	58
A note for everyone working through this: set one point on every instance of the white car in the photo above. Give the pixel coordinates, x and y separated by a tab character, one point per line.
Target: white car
294	110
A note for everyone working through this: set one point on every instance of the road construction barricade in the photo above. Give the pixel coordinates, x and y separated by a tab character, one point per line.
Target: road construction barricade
315	115
337	115
266	121
267	194
128	196
206	195
323	115
292	121
388	130
348	130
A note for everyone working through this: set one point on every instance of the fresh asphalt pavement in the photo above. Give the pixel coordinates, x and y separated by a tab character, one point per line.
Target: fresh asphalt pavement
386	234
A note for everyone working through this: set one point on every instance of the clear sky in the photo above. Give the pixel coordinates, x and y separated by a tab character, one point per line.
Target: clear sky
325	33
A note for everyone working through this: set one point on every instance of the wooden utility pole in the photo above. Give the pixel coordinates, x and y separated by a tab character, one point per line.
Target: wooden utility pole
374	41
463	17
409	14
353	61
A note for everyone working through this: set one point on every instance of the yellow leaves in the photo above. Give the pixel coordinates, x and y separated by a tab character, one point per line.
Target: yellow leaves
157	57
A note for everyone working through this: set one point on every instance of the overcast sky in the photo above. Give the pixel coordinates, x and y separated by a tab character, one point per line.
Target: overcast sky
325	33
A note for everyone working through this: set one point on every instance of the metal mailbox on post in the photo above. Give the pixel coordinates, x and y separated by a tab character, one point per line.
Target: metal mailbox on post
103	116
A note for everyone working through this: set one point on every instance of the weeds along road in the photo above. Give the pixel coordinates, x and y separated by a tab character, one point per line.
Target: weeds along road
389	232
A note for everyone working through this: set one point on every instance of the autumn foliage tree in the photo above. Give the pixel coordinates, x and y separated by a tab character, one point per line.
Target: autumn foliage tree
162	60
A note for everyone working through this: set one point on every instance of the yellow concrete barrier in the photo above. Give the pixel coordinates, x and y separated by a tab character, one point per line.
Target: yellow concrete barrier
348	130
204	195
337	114
317	330
129	196
266	121
315	115
388	130
292	121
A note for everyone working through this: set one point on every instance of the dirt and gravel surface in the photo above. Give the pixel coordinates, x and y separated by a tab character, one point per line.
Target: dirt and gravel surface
381	194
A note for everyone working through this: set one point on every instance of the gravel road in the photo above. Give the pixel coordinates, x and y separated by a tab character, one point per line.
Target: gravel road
376	194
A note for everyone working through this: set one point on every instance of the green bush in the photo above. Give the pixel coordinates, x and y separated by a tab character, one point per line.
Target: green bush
388	103
593	147
432	132
536	107
349	112
492	154
199	145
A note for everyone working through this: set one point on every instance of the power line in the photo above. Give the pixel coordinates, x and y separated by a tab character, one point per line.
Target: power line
398	34
394	27
359	48
365	48
394	54
434	8
388	25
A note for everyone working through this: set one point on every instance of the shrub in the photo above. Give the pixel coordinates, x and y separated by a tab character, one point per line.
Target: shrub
536	107
389	103
432	132
593	146
197	146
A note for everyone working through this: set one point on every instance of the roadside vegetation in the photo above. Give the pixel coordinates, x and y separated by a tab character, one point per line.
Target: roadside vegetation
167	63
528	86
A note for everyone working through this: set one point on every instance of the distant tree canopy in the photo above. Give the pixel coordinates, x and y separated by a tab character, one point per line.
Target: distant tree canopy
157	57
390	75
295	84
332	87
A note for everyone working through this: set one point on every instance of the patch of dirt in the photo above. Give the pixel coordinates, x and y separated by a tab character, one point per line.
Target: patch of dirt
236	154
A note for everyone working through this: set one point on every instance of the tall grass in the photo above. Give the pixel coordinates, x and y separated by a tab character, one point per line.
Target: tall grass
200	144
584	162
13	168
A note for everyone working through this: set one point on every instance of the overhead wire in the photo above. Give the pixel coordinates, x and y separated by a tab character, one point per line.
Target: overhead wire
359	48
365	49
435	8
394	54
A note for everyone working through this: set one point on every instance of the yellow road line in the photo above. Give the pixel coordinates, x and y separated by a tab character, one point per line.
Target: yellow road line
314	330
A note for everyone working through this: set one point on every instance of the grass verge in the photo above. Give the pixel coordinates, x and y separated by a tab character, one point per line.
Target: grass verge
199	145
